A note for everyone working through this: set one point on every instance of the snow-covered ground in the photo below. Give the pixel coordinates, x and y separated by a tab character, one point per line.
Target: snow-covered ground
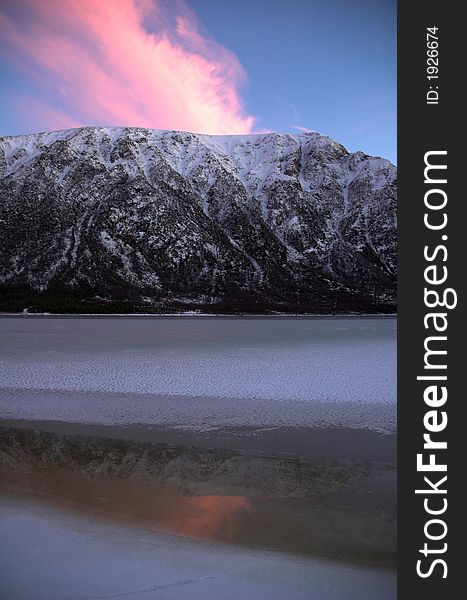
50	555
200	374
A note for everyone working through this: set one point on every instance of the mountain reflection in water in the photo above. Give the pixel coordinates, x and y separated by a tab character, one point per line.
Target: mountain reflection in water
137	502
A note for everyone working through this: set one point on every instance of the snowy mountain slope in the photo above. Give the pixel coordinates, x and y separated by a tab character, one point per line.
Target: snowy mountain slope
167	218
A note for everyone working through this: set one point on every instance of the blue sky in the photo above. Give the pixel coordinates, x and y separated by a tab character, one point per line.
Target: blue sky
325	65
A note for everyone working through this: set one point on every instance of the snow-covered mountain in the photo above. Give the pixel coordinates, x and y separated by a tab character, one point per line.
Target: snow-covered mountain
165	219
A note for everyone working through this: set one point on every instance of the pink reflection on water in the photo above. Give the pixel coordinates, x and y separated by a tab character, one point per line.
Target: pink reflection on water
136	502
209	517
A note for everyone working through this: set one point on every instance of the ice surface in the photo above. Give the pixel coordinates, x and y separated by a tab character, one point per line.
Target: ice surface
200	373
51	555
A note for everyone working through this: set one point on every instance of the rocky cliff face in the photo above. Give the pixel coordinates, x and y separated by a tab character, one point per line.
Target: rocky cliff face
161	219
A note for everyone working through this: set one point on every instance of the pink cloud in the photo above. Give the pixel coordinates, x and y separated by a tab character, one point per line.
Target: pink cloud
97	61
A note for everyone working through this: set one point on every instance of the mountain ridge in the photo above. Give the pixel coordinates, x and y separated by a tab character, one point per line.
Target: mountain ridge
157	220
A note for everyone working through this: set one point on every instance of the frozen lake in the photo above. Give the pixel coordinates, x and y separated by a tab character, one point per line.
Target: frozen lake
200	373
52	555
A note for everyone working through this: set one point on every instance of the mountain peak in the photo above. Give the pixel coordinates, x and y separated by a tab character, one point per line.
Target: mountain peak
170	218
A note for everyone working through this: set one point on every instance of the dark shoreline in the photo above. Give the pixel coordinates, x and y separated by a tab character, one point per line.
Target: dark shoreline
195	315
327	443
